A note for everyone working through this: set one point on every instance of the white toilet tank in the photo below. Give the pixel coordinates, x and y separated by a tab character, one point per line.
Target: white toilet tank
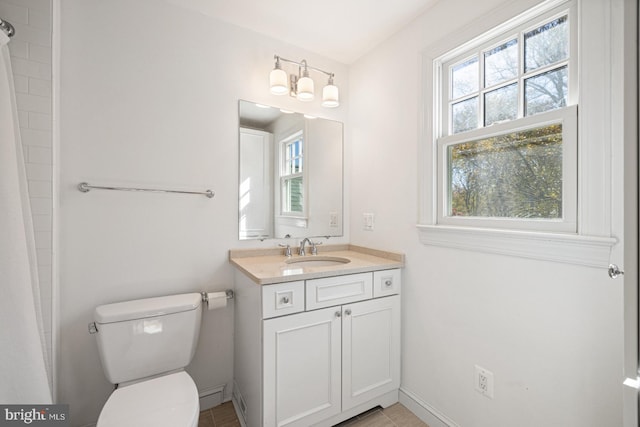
146	337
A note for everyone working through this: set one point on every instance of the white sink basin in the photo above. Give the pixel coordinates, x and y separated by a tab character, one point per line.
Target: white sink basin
317	261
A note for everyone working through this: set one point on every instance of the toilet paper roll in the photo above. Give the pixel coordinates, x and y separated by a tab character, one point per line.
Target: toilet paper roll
216	300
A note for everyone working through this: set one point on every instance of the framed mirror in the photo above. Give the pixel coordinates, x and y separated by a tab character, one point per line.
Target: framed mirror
291	174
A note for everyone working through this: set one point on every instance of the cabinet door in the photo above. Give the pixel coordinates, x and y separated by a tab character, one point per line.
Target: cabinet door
370	350
301	368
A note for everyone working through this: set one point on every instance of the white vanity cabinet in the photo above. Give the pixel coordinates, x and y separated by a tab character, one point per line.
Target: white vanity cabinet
316	352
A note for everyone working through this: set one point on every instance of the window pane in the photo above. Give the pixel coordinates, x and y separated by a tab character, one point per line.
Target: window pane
464	115
501	63
293	157
547	44
464	78
546	92
517	175
501	104
293	197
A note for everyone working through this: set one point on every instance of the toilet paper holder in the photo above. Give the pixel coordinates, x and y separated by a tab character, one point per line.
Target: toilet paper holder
205	297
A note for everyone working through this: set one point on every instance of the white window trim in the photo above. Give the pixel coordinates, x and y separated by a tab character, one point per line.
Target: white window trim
592	244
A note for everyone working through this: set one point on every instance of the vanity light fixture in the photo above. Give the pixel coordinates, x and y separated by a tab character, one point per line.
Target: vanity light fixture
301	85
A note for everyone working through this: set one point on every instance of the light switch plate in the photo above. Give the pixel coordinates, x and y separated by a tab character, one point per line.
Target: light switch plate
368	221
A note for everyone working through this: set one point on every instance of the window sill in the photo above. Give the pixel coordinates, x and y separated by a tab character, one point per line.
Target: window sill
590	251
292	221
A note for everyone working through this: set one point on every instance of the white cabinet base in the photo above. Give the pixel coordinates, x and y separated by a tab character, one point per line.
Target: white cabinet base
384	401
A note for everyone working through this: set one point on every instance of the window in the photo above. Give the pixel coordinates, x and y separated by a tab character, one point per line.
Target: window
506	127
520	174
583	233
292	175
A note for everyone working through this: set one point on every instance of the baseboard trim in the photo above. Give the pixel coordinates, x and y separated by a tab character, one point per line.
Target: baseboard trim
236	406
424	411
211	397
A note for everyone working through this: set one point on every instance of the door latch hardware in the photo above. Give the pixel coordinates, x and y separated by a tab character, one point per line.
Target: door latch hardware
614	271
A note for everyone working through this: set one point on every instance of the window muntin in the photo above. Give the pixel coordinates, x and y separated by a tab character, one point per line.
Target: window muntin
292	175
533	62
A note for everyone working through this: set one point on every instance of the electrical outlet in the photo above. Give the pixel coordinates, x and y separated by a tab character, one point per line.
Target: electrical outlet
484	381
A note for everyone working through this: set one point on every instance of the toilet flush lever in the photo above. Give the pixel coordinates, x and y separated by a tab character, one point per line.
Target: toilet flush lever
93	328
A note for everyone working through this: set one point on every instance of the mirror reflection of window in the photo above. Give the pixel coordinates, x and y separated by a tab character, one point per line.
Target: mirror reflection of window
292	175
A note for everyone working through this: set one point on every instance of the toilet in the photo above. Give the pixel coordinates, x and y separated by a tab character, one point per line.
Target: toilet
144	347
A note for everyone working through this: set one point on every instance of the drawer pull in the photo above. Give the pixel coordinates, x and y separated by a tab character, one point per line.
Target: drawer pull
338	314
284	300
347	312
388	283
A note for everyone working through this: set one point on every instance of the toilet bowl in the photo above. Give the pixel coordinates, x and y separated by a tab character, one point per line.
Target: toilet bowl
144	346
167	401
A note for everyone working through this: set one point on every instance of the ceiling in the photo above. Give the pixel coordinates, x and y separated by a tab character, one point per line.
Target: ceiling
342	30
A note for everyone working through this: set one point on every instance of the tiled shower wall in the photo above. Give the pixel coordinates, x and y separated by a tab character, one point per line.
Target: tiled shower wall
30	51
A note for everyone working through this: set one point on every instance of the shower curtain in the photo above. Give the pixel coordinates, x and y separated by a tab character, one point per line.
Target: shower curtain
23	366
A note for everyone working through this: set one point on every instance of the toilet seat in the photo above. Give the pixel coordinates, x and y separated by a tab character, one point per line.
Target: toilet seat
167	401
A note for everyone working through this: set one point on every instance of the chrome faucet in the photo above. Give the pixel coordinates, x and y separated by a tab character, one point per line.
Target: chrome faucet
302	252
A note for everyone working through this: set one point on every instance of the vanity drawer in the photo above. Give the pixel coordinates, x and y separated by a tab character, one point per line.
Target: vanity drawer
338	290
282	299
386	282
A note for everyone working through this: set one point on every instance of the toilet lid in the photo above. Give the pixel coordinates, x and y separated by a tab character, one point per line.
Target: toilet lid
170	400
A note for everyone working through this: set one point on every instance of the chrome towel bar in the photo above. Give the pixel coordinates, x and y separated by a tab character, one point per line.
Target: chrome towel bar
85	187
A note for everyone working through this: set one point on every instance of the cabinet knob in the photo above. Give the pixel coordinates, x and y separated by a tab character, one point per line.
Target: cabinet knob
388	282
285	300
347	312
338	314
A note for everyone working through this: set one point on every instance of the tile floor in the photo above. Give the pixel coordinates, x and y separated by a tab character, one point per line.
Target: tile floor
221	416
393	416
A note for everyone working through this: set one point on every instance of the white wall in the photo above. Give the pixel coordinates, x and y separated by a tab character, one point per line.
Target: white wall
30	51
149	96
551	333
